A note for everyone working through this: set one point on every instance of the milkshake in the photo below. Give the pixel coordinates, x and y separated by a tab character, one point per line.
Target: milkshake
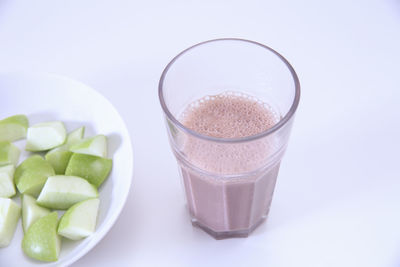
229	105
228	189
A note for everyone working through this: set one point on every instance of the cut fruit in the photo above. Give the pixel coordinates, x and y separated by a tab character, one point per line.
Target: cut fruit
7	187
45	136
75	136
41	241
58	159
79	221
31	175
61	192
9	153
31	212
96	145
59	156
94	169
13	128
9	216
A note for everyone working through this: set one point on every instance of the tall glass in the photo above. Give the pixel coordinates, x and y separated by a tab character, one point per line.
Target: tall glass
232	198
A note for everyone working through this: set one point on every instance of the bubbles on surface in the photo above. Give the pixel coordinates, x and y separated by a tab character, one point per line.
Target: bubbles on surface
228	115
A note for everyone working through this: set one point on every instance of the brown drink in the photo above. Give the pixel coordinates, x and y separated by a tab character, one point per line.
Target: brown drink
229	105
239	203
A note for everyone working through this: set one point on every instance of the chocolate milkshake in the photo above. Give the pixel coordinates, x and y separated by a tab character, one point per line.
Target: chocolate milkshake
228	186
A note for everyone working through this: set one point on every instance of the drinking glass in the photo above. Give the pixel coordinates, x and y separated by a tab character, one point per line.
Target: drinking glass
234	196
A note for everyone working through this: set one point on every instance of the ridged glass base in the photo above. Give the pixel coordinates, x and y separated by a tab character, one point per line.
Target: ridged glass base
227	234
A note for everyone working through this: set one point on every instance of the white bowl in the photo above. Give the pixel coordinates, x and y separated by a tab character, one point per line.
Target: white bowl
48	97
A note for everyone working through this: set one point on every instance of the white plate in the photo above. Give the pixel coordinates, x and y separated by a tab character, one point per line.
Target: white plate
47	97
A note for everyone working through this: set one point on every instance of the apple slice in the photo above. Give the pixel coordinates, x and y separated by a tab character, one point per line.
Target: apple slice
58	159
45	136
41	241
31	212
79	221
13	128
96	145
61	192
31	175
75	136
7	187
94	169
9	153
9	216
59	156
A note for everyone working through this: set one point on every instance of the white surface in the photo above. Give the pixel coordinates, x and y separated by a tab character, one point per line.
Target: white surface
337	197
44	97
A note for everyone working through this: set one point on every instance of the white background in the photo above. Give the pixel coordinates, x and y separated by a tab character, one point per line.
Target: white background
337	200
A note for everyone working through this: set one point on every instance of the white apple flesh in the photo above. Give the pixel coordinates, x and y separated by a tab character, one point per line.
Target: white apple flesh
7	187
61	192
13	128
31	211
79	221
9	153
9	216
45	136
96	145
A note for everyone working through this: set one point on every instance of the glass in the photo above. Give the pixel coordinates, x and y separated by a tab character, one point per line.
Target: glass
233	197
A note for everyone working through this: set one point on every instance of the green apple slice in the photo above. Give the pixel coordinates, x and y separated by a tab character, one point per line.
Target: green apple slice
45	136
61	192
31	175
13	128
41	241
31	211
75	136
59	157
79	221
96	145
9	153
94	169
9	216
7	187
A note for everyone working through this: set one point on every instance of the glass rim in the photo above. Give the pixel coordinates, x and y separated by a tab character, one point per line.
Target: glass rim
260	135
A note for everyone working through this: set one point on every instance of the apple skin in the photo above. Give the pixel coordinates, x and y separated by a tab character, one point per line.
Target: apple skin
13	128
41	241
58	159
92	168
31	175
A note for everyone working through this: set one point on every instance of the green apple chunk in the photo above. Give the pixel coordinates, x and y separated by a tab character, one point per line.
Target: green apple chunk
13	128
58	159
7	187
31	211
94	169
79	221
41	241
9	216
61	192
75	136
59	156
31	175
45	136
96	145
9	153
